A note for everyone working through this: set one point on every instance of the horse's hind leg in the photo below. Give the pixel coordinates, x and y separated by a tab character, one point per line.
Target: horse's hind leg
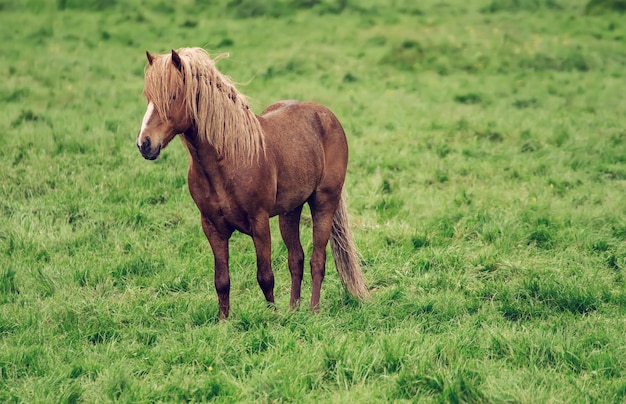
290	232
263	245
323	207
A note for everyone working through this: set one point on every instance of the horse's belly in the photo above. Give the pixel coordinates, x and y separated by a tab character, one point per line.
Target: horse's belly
287	203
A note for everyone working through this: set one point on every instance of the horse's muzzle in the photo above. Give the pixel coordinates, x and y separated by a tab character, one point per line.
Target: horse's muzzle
147	151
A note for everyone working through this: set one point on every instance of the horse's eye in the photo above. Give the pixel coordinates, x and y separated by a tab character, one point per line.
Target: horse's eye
174	97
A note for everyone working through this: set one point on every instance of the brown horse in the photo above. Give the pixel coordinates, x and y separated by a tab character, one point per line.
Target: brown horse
246	168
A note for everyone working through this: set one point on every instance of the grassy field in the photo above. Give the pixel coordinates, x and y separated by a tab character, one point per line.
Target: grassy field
487	188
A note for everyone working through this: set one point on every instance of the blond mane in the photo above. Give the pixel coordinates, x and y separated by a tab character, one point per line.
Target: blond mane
220	113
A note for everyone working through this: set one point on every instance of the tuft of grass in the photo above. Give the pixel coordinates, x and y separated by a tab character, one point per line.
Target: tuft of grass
404	56
470	98
8	286
251	9
458	385
497	6
597	7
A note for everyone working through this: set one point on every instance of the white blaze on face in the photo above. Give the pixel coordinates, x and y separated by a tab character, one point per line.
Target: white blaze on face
144	123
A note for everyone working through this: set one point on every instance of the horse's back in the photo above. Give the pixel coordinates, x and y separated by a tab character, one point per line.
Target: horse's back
293	118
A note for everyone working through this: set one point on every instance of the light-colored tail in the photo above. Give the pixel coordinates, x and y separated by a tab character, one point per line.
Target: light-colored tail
345	253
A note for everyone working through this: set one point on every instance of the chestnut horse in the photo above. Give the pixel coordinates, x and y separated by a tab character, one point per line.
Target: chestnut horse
246	168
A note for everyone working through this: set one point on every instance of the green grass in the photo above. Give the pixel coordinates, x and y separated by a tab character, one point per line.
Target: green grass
487	188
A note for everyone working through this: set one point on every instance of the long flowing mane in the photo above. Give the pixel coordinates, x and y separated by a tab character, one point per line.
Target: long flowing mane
220	113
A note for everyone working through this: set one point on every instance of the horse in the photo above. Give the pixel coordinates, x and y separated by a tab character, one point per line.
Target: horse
245	168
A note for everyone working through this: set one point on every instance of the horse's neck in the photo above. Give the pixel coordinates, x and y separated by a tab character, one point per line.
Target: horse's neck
201	151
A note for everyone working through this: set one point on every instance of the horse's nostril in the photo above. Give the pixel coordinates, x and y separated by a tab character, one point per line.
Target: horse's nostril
149	152
145	146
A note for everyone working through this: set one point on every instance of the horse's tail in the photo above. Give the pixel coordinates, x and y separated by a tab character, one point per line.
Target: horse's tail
345	253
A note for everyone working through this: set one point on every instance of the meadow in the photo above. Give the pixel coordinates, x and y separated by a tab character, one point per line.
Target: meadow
486	187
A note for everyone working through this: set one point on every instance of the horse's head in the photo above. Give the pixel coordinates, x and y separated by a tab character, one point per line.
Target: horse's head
167	113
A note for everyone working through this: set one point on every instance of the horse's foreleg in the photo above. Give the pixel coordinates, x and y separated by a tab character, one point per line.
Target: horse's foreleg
263	245
290	231
219	245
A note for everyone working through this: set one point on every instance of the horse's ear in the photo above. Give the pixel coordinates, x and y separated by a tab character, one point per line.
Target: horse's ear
150	58
176	60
